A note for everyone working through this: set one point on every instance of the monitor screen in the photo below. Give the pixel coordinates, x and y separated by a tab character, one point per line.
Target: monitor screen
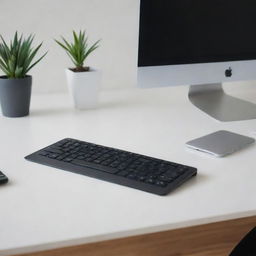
196	31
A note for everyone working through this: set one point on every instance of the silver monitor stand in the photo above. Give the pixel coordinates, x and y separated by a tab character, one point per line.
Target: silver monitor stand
212	99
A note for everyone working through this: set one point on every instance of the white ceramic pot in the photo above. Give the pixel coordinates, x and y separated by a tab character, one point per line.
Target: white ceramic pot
84	87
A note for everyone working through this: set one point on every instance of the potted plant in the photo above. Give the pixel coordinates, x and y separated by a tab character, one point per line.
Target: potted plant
83	81
15	86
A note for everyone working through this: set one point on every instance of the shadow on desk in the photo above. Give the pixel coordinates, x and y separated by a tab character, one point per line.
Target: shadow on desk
48	112
194	181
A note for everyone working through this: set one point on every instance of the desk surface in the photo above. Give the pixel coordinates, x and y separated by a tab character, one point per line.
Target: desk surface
44	208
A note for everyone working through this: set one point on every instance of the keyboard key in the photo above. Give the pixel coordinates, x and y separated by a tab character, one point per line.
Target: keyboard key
165	178
53	156
43	153
96	161
96	166
121	166
141	178
161	183
60	157
131	176
67	159
181	169
54	150
151	181
171	174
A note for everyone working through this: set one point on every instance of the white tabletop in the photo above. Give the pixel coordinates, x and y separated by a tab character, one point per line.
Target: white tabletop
43	208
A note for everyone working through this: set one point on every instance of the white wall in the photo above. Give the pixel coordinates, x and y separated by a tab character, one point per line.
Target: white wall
114	21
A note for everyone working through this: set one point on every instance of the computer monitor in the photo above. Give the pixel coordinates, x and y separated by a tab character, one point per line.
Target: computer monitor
201	43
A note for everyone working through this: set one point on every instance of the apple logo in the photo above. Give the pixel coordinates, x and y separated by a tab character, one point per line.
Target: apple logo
228	72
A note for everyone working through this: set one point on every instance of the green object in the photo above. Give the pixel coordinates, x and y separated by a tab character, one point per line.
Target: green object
78	50
16	58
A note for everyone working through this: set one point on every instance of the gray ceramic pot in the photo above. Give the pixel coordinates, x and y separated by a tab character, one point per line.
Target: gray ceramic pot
15	96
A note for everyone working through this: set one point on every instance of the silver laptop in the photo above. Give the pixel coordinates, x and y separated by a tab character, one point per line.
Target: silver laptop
220	143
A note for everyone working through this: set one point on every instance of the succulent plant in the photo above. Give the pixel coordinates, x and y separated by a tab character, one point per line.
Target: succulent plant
16	58
78	50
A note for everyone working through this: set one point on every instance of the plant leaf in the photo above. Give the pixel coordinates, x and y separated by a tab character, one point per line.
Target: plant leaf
78	50
16	58
36	62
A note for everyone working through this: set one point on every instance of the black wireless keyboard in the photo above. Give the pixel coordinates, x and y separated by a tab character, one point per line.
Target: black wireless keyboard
114	165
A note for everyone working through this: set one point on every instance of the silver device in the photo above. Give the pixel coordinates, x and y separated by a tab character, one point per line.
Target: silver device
220	143
201	44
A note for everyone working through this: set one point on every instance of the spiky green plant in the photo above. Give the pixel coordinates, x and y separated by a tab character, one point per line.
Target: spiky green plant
16	58
78	50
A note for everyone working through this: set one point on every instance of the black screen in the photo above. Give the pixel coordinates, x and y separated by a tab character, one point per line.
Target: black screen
196	31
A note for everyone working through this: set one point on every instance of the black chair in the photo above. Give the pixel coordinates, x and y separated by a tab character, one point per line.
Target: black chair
247	246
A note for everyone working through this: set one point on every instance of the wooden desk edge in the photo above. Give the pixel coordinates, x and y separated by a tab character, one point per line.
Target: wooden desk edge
215	239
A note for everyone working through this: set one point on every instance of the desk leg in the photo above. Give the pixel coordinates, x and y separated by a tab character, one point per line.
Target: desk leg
215	239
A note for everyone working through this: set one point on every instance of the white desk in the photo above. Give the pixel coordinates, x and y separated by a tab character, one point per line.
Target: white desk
44	208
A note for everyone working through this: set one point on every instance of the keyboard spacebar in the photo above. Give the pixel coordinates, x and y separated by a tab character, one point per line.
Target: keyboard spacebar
94	166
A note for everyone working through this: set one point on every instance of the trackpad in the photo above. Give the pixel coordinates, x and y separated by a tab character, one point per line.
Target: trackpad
220	143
